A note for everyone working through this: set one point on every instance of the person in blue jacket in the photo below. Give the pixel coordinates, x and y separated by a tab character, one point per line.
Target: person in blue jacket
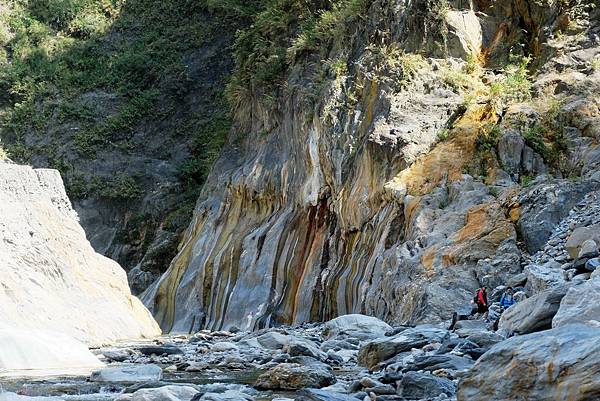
507	299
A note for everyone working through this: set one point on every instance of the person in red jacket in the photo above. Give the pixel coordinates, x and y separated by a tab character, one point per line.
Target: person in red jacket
481	301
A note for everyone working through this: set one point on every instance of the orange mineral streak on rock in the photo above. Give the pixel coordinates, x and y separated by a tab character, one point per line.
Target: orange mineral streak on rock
427	260
485	229
447	161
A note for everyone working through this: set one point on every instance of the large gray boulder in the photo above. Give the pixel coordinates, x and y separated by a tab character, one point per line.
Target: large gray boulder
356	325
553	365
128	374
579	236
273	340
542	277
533	314
581	303
376	351
313	394
431	363
417	385
165	393
292	376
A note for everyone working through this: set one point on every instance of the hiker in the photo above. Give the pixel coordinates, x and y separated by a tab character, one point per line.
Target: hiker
507	299
481	301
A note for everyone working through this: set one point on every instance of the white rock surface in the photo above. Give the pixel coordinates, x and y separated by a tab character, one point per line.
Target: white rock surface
581	304
50	276
166	393
40	353
357	323
129	374
8	396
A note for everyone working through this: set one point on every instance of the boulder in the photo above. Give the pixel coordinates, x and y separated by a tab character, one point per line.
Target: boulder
168	349
292	376
542	277
589	249
376	351
228	395
417	385
272	340
434	362
357	325
298	346
485	339
128	374
466	328
580	304
115	354
579	236
534	313
165	393
518	280
562	364
465	36
313	394
223	346
592	264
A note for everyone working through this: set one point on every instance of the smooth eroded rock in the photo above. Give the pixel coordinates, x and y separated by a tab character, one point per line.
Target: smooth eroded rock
534	313
292	376
128	374
561	364
51	274
228	395
376	351
43	352
357	325
313	394
165	393
581	304
416	385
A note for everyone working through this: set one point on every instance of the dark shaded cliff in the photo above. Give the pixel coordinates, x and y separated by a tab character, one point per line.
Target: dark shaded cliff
126	100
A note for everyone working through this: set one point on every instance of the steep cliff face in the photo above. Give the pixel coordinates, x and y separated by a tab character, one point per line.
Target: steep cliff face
396	193
52	280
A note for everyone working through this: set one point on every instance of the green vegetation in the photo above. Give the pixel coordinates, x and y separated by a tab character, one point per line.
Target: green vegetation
396	64
526	180
443	134
515	86
92	73
547	135
282	33
488	139
122	187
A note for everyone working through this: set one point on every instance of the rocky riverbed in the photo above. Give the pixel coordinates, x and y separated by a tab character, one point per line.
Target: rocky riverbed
328	361
350	358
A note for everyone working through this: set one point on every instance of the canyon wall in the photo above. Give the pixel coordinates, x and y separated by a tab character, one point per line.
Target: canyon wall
381	196
51	278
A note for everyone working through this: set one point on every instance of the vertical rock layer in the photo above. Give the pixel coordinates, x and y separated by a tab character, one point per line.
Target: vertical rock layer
360	202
